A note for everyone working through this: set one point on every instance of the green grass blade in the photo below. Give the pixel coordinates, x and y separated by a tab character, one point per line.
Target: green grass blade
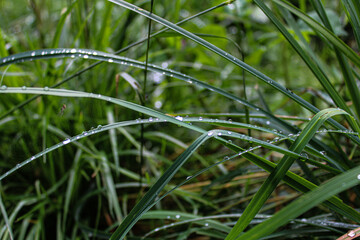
312	64
150	196
233	59
336	185
97	55
345	49
344	65
6	219
353	13
277	175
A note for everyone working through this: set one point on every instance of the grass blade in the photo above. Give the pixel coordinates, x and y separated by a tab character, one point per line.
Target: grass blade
277	175
336	185
345	49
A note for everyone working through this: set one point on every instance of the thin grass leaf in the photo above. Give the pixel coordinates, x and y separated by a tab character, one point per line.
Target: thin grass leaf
97	63
97	55
278	174
231	58
312	64
6	219
150	196
344	65
336	185
353	13
345	49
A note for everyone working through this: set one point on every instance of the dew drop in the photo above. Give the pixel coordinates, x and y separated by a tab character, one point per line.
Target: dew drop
226	158
23	87
46	88
86	56
156	229
66	141
33	54
351	233
323	153
230	120
110	60
200	118
3	87
358	176
210	133
179	118
177	216
32	158
188	177
72	56
219	134
52	52
94	53
206	224
18	165
73	50
151	119
267	122
99	127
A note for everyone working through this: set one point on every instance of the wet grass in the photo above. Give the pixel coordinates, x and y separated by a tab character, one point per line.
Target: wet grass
179	120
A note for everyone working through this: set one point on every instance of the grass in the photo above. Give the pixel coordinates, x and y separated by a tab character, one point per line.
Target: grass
179	120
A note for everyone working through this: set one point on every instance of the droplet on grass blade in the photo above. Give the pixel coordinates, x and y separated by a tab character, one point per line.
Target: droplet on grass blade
179	118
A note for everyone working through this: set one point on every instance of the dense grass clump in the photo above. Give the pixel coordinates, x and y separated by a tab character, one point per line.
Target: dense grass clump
179	119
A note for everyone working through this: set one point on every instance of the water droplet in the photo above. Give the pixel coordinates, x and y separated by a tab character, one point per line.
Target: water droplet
168	217
188	177
32	158
179	118
52	52
219	134
94	53
110	60
210	133
177	216
358	176
323	153
66	141
290	135
257	109
156	229
86	56
151	119
18	165
72	56
33	54
229	132
267	122
230	120
351	233
73	50
226	158
23	87
99	127
46	88
3	87
206	224
200	118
